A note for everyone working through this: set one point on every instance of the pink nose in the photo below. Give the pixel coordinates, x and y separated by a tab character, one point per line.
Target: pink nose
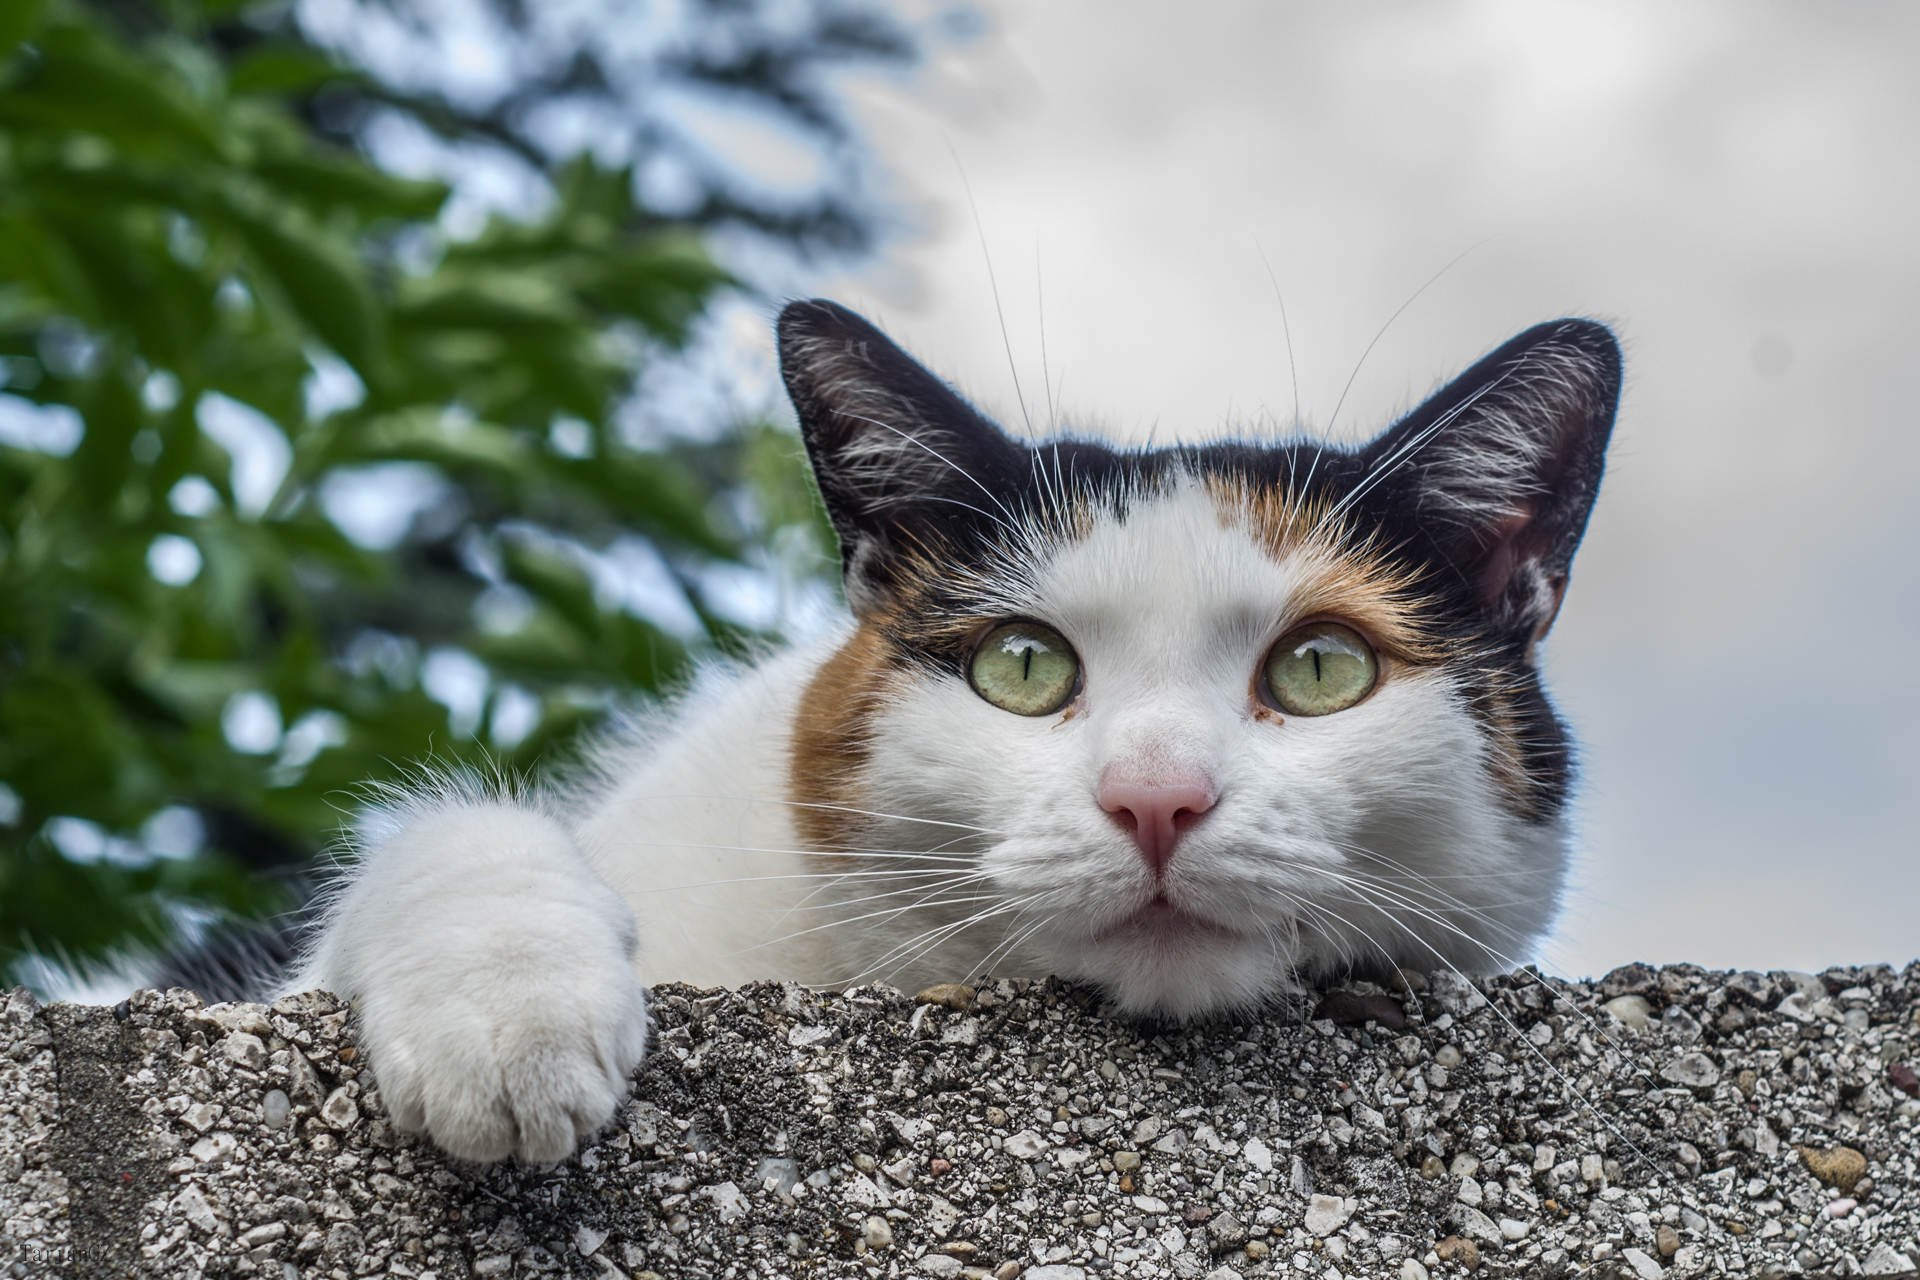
1156	809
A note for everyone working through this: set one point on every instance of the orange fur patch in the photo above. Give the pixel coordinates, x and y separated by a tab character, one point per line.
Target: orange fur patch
832	739
1340	577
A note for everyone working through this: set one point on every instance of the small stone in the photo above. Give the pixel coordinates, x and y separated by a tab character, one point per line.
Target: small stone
340	1110
265	1233
1150	1204
1513	1228
1052	1271
1255	1153
1634	1011
245	1050
1837	1167
1411	1269
954	995
215	1149
1327	1214
730	1201
1257	1249
1456	1249
1477	1225
1643	1266
1226	1232
877	1234
201	1116
802	1036
1885	1260
1629	979
1902	1077
1694	1071
1667	1241
1842	1207
1432	1167
1126	1161
275	1108
193	1206
1025	1145
1006	1270
939	1166
939	1264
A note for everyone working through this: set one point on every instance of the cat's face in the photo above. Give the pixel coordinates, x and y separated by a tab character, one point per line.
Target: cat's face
1194	722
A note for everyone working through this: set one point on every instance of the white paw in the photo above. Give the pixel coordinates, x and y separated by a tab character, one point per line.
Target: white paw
488	1073
491	971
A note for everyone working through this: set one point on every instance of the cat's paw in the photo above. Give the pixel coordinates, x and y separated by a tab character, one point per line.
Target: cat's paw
525	1069
491	970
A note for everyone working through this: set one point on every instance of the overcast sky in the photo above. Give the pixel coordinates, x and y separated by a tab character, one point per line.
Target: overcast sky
1734	186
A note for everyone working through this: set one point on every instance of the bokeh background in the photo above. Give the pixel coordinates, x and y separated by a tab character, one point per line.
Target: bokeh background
255	554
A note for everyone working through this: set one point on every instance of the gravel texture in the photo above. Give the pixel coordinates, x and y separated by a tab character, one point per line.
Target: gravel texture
1659	1122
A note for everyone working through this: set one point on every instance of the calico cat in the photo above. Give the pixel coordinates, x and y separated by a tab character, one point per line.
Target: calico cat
1192	724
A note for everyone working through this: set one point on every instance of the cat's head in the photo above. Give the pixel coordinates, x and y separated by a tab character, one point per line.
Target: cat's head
1193	722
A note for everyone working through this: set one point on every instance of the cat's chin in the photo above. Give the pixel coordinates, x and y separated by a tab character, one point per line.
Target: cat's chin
1165	962
1161	920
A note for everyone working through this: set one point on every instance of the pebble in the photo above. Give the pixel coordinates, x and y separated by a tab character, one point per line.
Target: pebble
1327	1214
275	1108
1694	1071
877	1234
1838	1167
1643	1266
1632	1010
1460	1250
1902	1077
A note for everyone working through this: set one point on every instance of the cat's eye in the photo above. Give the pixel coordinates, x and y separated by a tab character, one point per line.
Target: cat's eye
1025	668
1320	668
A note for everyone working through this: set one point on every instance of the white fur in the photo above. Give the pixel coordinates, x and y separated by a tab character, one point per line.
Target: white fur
491	960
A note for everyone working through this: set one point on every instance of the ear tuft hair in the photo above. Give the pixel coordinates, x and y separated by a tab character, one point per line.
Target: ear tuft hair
904	464
1500	468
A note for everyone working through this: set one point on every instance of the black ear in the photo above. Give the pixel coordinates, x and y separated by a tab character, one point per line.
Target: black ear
904	464
1500	468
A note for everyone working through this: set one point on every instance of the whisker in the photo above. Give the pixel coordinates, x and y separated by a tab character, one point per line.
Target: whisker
1293	370
834	808
980	229
1626	1056
1431	281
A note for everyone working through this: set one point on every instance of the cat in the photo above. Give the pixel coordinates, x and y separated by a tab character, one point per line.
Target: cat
1189	724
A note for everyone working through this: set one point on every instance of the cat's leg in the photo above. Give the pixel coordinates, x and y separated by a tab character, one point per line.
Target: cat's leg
491	970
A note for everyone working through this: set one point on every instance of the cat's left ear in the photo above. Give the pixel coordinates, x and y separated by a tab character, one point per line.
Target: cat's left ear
907	468
1500	468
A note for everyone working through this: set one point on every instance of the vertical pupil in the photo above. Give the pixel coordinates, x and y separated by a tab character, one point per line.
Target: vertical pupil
1026	665
1316	663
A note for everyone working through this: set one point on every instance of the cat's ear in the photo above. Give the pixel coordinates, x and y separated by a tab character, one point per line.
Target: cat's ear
1500	468
906	467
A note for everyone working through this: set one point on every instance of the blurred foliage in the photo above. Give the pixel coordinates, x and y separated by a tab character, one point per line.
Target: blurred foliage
220	328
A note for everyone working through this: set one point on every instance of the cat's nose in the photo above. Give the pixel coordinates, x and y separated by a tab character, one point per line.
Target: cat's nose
1156	810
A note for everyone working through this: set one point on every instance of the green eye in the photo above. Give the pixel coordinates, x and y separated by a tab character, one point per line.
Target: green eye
1320	668
1025	668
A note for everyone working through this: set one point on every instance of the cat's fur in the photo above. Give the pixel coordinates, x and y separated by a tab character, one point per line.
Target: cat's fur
855	811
